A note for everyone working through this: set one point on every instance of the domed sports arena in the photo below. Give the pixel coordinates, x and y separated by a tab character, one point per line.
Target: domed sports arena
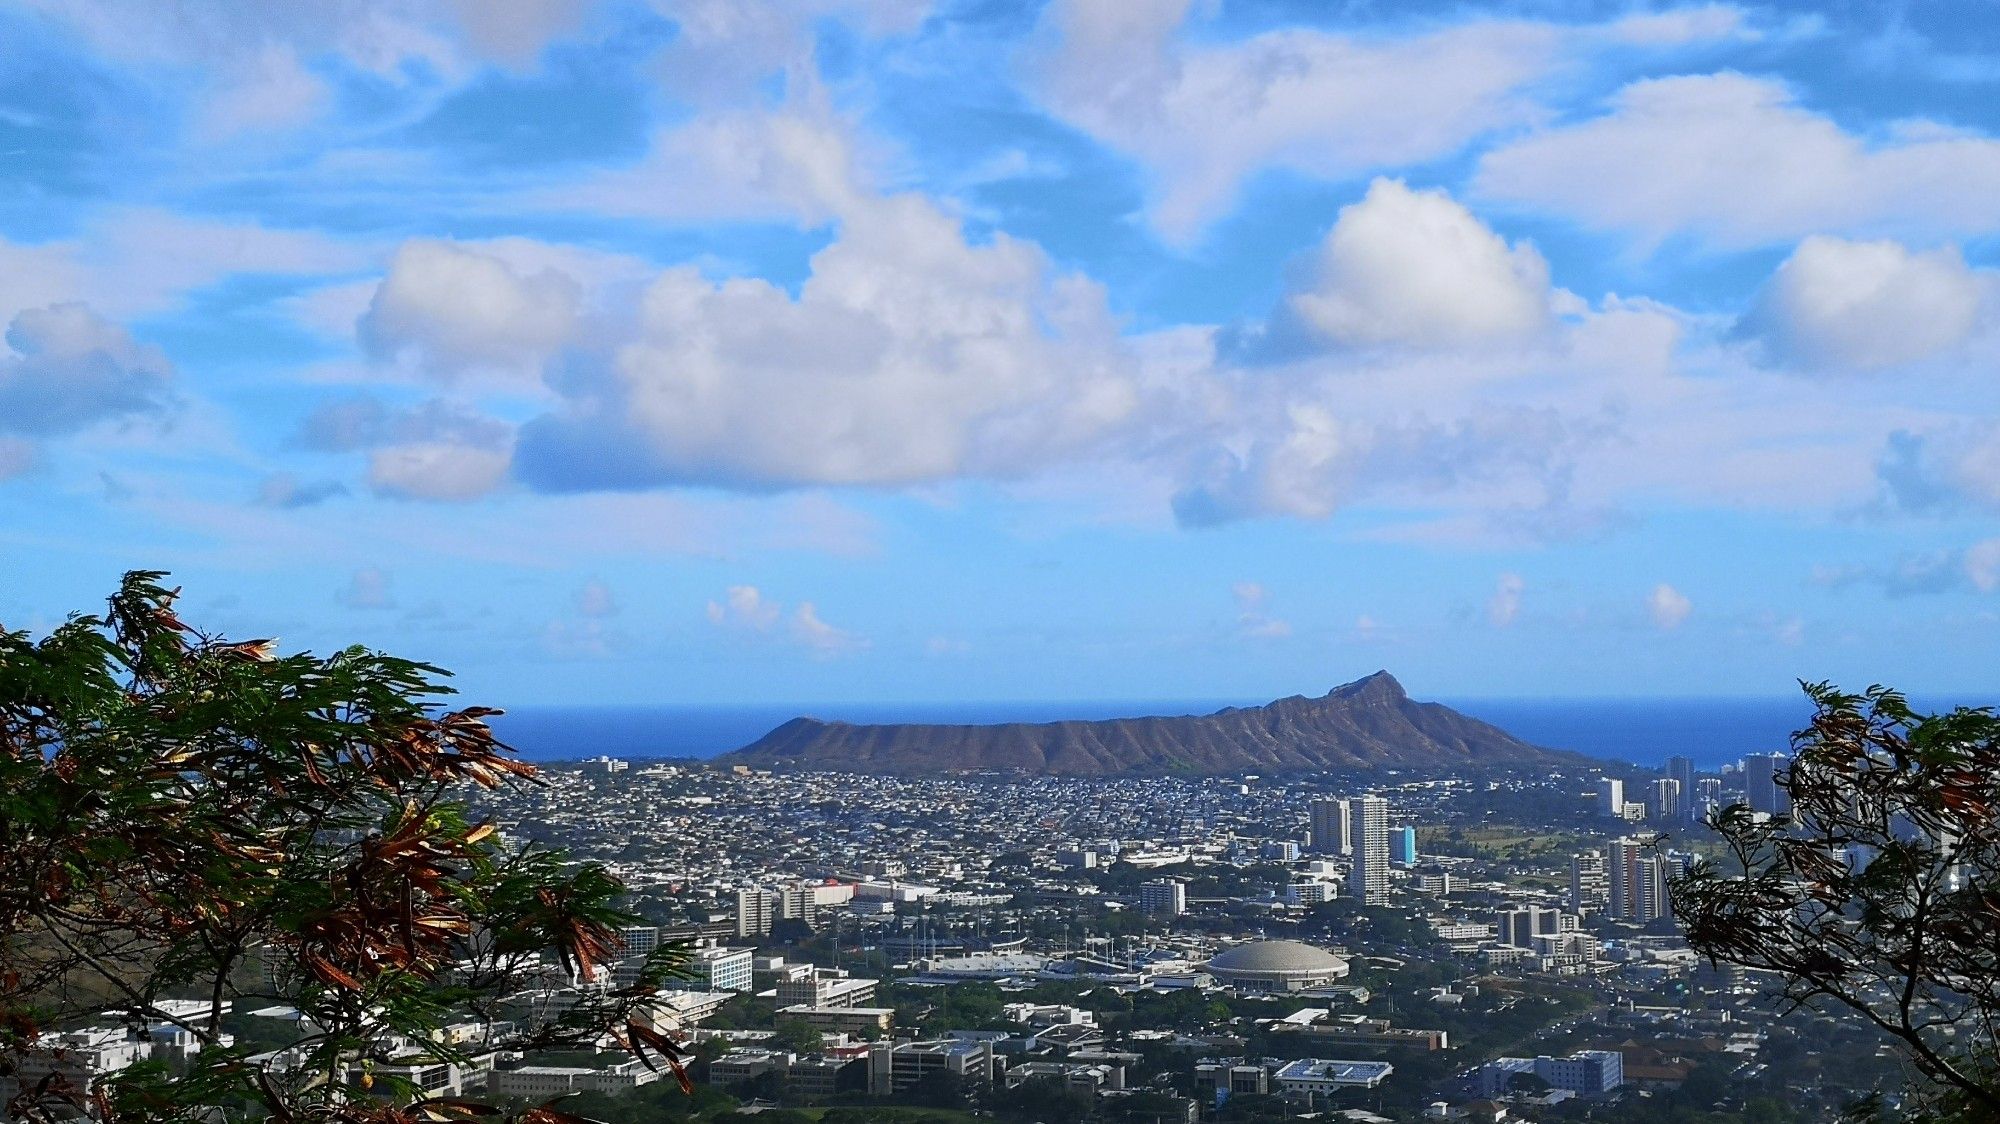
1276	966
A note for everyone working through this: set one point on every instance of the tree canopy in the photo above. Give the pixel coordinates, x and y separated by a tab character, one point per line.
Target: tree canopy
191	827
1877	892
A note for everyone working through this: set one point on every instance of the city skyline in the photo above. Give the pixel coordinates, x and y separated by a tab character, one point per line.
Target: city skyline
931	351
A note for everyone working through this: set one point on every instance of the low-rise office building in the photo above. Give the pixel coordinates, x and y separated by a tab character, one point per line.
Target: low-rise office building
543	1082
1094	1078
845	1020
826	989
894	1067
1586	1072
1318	1076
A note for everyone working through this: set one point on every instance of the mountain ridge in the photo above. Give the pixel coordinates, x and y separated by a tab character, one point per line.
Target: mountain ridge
1370	723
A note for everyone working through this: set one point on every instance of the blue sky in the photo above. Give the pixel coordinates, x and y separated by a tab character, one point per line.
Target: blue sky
700	351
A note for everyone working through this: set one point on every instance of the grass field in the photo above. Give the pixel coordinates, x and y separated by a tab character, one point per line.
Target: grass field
1509	840
1514	841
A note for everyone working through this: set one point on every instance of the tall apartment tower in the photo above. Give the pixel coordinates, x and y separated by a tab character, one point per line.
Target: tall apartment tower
1649	887
1589	887
1666	798
756	909
1681	769
1760	782
1330	835
1403	845
1639	880
1166	897
797	902
1369	818
1624	854
1610	796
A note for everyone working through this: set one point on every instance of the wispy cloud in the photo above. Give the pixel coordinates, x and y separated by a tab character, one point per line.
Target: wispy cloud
746	609
1669	607
1253	619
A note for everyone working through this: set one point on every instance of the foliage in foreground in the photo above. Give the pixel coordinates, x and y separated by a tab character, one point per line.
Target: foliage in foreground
1878	892
183	818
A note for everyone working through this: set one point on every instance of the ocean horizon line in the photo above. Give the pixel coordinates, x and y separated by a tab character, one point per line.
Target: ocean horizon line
1712	729
1149	700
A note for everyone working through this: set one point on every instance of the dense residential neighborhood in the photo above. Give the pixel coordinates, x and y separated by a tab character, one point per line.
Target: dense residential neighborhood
1491	947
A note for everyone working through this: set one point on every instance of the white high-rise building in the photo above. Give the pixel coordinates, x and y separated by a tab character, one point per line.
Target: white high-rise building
798	902
756	909
720	969
1638	878
1666	798
1330	832
1520	927
1369	820
1589	889
1611	796
1624	855
1166	897
1649	887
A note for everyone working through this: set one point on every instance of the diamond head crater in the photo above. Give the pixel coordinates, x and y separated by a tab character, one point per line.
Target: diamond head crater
1371	723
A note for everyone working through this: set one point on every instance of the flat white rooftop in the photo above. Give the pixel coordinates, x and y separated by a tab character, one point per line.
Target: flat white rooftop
1335	1071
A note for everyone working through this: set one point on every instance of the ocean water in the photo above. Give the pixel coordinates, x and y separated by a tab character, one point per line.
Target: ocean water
1643	731
1714	732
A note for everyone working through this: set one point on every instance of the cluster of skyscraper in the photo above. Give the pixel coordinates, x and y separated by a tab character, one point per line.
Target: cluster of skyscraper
1627	881
1683	795
1359	828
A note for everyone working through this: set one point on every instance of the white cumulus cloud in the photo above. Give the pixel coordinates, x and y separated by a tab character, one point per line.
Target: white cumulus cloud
1416	268
1865	305
454	309
909	355
438	450
69	368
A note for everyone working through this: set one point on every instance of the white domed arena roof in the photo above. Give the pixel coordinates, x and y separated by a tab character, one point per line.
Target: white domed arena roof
1277	957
